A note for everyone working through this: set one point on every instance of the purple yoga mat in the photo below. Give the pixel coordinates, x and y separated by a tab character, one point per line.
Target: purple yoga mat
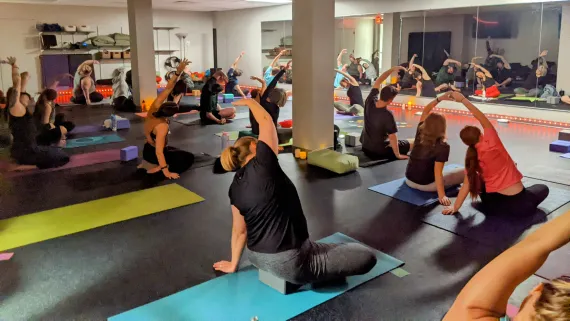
87	129
343	117
78	160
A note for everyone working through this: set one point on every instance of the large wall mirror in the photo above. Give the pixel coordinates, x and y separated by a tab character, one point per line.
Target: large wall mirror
495	54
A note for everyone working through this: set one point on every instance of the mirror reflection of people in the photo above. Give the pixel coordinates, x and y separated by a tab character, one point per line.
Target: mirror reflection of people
354	93
273	68
446	76
122	99
486	295
502	73
268	216
532	86
369	71
84	86
424	85
489	85
355	69
409	78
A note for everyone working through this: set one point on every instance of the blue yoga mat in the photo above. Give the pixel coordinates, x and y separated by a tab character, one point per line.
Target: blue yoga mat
565	155
493	230
399	190
95	140
241	296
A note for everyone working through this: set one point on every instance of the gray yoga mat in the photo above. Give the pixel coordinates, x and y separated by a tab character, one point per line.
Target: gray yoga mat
549	173
495	230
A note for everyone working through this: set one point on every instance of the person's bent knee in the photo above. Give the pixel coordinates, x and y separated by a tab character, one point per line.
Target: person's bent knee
368	262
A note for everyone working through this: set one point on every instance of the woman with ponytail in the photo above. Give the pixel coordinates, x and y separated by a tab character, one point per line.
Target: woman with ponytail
491	174
158	156
267	214
425	171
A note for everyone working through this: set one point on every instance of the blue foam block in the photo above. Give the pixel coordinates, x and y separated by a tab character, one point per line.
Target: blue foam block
560	146
241	296
399	190
565	155
95	140
129	153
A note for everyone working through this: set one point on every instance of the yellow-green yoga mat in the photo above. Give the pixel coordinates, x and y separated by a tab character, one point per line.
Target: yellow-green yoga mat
41	226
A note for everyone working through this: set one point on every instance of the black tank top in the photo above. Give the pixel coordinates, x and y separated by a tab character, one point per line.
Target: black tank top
24	132
428	88
355	95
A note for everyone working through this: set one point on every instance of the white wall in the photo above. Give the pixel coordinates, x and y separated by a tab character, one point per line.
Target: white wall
364	42
19	37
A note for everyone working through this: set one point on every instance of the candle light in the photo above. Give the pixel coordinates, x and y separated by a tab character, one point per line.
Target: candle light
303	155
297	153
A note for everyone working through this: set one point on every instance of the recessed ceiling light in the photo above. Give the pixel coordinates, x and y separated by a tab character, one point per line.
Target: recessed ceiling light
271	1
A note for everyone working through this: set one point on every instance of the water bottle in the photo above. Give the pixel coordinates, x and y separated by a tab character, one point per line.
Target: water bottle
114	122
225	140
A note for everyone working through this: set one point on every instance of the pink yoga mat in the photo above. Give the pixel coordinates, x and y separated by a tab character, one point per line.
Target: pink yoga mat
78	160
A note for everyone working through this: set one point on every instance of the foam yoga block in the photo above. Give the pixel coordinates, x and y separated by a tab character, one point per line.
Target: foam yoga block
129	153
228	98
352	140
564	135
275	282
333	161
560	146
123	123
553	100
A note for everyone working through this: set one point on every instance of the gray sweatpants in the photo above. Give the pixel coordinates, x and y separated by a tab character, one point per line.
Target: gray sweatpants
534	92
347	109
316	262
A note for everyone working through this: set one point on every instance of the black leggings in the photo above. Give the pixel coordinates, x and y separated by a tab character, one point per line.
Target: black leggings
178	160
124	104
524	203
41	156
95	97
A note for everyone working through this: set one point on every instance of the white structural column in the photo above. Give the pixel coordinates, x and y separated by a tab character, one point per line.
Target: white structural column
563	77
364	44
314	61
142	51
390	42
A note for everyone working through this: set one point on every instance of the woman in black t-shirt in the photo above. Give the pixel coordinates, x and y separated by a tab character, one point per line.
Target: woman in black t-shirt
354	93
267	214
425	171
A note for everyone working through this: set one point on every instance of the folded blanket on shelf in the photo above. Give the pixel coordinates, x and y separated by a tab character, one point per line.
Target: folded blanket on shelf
121	36
102	41
122	43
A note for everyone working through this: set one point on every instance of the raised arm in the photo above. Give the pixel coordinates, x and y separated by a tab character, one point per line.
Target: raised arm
273	82
267	131
349	77
486	295
339	58
25	78
485	71
169	87
263	84
236	62
87	62
57	79
414	56
427	110
458	97
425	75
14	106
505	62
385	76
451	61
276	60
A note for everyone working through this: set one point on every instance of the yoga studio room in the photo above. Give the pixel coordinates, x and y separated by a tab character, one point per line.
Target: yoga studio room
160	161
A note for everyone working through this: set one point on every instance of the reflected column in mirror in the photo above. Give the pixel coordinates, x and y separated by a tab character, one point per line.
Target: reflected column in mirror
411	48
549	47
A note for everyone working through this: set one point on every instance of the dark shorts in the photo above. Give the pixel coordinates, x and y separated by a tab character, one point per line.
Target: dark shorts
207	121
403	146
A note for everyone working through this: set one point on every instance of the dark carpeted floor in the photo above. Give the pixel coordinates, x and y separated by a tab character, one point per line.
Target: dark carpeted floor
105	271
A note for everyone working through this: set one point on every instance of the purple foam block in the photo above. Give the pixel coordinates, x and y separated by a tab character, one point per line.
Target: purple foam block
123	124
560	146
129	153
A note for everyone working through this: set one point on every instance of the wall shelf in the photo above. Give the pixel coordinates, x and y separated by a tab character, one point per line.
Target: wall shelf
165	52
165	28
282	57
65	33
112	61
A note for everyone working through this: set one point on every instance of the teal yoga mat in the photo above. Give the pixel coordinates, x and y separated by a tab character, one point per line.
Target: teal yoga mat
241	296
94	140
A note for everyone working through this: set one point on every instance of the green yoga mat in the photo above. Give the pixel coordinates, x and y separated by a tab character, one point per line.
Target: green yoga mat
531	99
37	227
233	135
94	140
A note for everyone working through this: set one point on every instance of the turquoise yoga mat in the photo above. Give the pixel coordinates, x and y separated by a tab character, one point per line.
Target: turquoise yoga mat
94	140
241	296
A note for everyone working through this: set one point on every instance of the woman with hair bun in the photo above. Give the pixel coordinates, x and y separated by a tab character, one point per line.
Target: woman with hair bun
267	214
491	173
162	158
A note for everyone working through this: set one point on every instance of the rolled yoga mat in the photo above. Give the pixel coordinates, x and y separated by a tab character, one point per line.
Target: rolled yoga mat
78	160
33	228
399	190
95	140
497	229
241	296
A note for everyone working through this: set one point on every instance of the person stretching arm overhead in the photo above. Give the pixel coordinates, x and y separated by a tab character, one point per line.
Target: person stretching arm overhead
354	93
232	87
424	85
486	295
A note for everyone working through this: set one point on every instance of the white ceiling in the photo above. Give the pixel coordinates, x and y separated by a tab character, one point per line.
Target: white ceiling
187	5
